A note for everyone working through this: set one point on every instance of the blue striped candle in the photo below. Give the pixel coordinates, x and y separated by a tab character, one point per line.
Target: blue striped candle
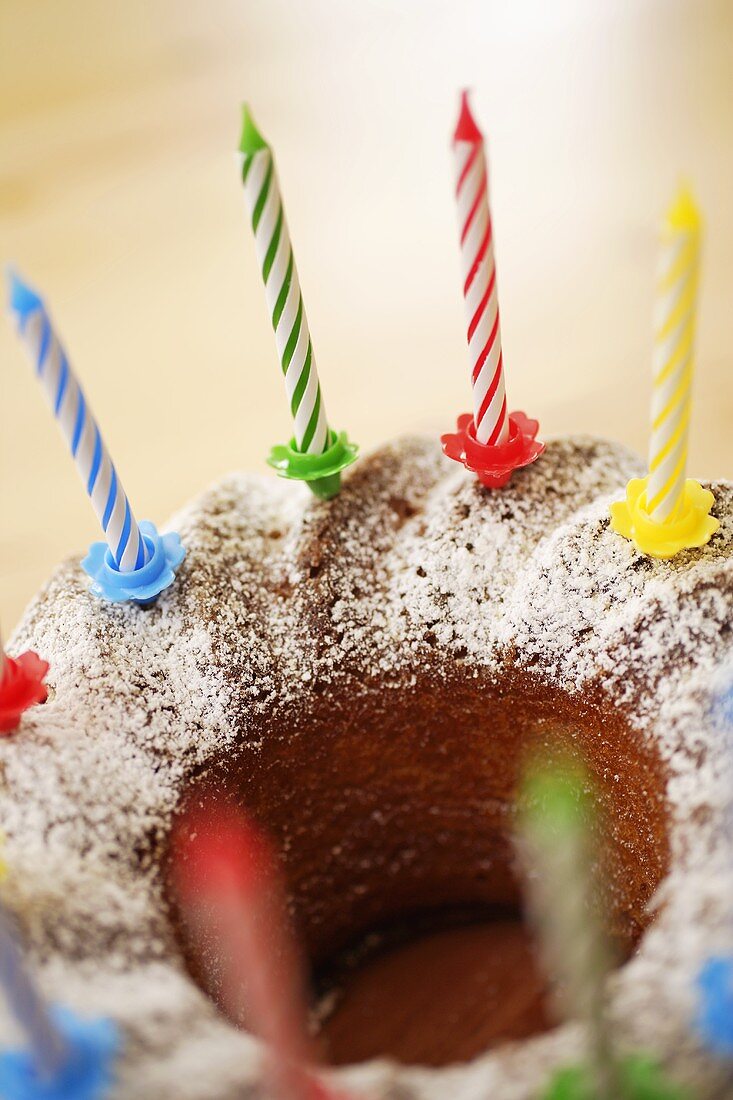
79	428
66	1057
48	1047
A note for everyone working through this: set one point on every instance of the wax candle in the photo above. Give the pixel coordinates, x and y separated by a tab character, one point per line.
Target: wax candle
67	1057
492	443
318	454
234	906
667	512
136	563
557	821
479	280
78	426
282	290
556	827
672	365
48	1046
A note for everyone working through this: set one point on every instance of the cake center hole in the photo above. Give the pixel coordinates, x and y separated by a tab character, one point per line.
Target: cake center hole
438	989
393	812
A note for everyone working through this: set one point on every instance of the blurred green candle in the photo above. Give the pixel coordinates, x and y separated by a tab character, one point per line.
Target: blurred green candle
556	827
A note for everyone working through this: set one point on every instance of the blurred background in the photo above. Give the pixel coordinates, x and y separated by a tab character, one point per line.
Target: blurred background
120	199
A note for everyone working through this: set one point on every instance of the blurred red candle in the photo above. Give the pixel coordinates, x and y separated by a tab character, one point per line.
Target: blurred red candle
235	911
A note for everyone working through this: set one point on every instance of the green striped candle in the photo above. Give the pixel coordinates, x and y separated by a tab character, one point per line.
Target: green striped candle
282	290
558	852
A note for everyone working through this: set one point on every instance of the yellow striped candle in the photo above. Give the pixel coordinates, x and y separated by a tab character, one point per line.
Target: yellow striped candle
674	333
667	512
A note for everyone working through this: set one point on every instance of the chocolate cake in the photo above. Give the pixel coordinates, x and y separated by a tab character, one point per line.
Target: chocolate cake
367	675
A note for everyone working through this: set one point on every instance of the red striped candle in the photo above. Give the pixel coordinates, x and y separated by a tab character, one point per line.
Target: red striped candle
233	901
479	280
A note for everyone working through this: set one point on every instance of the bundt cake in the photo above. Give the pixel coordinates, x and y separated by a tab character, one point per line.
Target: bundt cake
367	675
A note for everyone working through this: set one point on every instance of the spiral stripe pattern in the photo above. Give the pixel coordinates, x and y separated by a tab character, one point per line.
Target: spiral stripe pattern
79	428
284	300
479	283
674	331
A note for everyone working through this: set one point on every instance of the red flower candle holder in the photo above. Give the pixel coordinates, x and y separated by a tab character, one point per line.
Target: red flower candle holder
21	687
494	464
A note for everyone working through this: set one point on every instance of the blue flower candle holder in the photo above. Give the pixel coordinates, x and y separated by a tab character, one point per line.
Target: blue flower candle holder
143	585
87	1073
715	1007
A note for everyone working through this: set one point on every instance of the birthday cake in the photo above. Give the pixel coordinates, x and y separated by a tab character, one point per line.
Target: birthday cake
366	675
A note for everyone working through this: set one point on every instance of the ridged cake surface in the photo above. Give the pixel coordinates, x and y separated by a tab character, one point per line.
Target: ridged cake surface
415	579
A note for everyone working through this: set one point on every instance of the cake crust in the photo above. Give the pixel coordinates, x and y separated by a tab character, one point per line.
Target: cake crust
412	586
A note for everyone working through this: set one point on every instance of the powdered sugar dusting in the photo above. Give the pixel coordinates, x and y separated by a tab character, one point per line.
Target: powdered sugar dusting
277	591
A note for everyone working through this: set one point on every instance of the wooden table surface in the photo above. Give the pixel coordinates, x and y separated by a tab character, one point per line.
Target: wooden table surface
119	197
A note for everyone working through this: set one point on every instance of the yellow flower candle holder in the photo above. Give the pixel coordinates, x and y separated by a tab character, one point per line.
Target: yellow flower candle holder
690	528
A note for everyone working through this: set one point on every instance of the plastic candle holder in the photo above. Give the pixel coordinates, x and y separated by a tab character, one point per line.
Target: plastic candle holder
715	1009
21	687
640	1077
691	528
143	585
86	1074
494	464
322	472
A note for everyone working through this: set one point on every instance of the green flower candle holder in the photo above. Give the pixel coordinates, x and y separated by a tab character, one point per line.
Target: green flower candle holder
322	473
639	1078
